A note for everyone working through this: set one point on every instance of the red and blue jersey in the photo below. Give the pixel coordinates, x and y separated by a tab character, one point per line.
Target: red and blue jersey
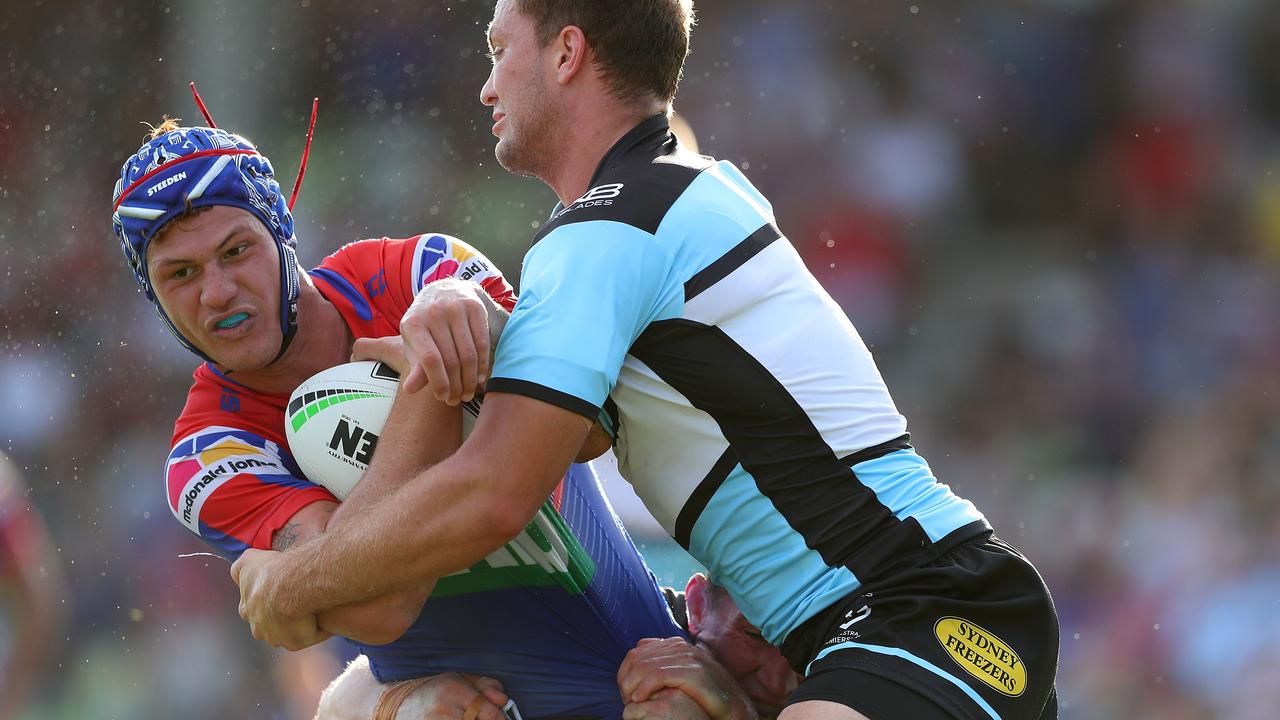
550	614
230	478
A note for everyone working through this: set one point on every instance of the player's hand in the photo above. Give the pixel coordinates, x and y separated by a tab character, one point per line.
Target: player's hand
666	704
255	572
672	663
446	330
390	350
456	696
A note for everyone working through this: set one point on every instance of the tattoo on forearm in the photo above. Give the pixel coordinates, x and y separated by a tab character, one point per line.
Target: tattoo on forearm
285	537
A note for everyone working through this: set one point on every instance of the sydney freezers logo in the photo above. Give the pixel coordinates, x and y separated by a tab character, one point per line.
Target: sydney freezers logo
200	464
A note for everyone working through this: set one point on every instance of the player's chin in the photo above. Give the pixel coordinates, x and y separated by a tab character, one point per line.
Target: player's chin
512	159
243	356
503	153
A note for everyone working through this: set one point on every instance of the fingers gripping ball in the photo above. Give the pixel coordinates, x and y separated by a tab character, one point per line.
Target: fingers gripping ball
333	421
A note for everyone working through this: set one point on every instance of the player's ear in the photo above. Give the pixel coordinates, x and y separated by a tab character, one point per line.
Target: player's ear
571	53
696	601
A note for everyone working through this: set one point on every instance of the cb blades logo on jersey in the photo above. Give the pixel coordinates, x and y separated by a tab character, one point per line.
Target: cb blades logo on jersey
596	196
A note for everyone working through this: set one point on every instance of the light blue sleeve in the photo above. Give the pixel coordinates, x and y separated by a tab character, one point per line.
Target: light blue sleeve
587	291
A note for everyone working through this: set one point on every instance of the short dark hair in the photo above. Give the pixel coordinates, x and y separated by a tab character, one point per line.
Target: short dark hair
639	45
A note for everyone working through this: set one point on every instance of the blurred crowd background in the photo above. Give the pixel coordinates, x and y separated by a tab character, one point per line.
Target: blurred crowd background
1056	222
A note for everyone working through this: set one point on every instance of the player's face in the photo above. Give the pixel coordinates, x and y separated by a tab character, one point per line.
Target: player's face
757	666
217	276
525	118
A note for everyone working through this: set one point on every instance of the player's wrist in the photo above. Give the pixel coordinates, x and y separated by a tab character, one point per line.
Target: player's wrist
285	591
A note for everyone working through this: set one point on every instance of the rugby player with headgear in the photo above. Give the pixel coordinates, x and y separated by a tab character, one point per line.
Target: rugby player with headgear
210	238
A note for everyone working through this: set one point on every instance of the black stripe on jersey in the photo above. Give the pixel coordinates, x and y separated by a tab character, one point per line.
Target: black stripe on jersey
609	414
902	442
732	260
697	502
651	171
776	442
545	394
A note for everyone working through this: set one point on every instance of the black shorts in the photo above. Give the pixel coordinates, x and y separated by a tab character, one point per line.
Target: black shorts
971	634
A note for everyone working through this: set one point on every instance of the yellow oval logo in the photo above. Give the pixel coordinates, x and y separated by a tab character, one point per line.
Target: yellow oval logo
982	655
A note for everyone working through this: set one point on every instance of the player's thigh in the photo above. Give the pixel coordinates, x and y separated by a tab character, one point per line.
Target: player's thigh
820	710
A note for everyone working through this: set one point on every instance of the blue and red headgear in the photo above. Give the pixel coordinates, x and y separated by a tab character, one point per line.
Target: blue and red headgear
194	167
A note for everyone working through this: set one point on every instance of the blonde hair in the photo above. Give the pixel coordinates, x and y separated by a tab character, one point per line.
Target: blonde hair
167	124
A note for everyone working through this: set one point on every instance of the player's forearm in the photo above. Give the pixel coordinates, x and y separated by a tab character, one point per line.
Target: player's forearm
419	433
433	526
378	621
373	622
445	519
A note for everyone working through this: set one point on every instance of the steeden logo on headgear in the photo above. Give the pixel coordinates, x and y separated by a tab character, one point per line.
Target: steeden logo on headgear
166	183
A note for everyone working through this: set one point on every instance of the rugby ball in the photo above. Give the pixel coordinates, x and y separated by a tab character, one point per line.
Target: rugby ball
333	421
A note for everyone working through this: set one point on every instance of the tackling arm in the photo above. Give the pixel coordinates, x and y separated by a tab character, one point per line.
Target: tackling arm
372	622
419	432
443	520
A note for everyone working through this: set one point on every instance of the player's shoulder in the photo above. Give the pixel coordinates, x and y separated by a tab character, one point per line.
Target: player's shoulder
428	256
437	255
381	248
353	258
216	400
211	444
210	456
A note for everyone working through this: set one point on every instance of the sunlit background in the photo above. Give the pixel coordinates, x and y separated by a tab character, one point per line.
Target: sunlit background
1056	222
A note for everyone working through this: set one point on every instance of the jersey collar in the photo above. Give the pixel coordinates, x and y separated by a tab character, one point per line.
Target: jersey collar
648	139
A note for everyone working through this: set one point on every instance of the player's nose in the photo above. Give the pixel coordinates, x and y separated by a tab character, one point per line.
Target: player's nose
217	287
488	95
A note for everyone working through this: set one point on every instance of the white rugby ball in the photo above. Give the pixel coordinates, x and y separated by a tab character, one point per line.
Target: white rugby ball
333	421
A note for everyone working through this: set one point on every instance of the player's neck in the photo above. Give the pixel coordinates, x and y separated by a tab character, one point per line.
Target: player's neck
323	340
590	142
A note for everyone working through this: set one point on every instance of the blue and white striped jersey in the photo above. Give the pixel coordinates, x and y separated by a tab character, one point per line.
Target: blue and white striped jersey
746	410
